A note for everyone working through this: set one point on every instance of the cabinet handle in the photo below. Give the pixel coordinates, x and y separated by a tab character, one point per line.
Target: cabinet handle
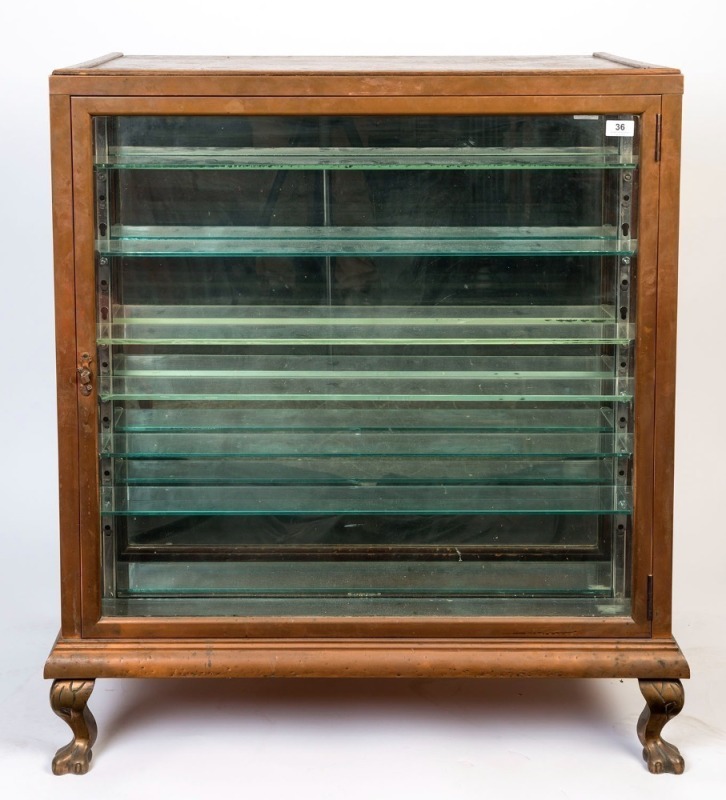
85	376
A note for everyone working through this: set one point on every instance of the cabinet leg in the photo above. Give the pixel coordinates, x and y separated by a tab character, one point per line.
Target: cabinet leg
68	699
664	700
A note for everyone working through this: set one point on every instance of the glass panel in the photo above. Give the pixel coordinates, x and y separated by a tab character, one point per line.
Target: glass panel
366	365
230	241
364	499
365	158
259	284
442	327
322	142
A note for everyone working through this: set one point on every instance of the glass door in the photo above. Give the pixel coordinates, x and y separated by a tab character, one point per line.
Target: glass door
366	365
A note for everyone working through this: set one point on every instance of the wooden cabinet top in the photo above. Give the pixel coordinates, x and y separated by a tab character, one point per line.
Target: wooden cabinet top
600	73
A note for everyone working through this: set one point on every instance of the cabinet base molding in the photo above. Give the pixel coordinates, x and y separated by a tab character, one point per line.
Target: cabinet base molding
74	664
654	659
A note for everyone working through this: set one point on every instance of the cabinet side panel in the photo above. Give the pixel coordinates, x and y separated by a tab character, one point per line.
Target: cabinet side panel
65	324
666	365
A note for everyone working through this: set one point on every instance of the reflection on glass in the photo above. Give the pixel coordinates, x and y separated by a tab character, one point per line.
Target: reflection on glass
365	365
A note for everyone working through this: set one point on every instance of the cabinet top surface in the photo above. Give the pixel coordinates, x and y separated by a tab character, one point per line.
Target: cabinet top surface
120	64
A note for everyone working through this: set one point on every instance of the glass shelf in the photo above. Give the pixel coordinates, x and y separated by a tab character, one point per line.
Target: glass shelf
352	389
145	599
366	444
367	158
163	470
381	378
229	241
365	325
360	366
328	418
282	500
410	579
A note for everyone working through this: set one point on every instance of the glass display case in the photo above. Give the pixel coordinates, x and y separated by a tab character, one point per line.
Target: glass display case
357	372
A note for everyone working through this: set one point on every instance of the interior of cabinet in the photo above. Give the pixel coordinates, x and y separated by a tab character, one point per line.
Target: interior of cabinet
366	364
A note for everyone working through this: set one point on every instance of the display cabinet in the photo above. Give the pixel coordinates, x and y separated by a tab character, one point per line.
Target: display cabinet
366	368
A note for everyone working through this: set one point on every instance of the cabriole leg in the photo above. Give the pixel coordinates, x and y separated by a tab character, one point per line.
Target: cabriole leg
68	699
664	700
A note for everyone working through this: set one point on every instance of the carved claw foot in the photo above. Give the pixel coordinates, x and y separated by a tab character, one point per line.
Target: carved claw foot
68	699
664	701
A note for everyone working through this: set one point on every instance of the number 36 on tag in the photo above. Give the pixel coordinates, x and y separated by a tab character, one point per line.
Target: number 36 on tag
619	127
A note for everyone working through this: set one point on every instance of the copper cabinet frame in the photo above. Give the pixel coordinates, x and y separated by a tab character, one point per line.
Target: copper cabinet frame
75	282
91	646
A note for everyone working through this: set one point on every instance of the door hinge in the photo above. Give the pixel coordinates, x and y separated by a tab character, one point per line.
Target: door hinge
650	598
658	128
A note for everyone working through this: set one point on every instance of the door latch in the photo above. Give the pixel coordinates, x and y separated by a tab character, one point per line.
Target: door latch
85	376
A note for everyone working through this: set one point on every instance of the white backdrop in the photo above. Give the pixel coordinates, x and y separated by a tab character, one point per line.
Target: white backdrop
331	739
